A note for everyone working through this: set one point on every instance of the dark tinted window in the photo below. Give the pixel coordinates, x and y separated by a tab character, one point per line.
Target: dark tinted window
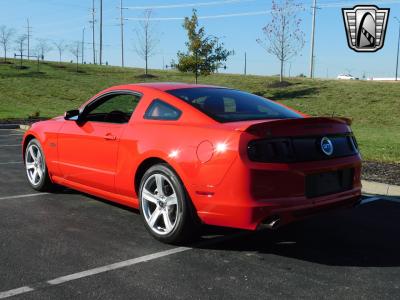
225	105
159	110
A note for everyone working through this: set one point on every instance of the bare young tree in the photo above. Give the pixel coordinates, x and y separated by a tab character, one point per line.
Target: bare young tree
60	46
42	48
75	51
283	36
20	46
147	39
6	35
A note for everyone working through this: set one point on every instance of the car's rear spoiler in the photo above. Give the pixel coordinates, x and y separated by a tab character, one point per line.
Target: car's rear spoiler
309	121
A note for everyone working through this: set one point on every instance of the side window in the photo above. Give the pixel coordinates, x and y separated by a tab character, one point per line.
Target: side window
115	108
159	110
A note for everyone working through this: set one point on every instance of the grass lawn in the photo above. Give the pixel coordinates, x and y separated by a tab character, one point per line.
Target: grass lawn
373	106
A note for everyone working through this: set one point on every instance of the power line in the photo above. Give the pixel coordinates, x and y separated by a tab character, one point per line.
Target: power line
251	13
183	5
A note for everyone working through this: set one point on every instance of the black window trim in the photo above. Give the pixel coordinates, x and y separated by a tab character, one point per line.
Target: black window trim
105	95
154	102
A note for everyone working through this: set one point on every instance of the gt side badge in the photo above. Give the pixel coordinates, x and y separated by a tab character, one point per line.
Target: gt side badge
365	27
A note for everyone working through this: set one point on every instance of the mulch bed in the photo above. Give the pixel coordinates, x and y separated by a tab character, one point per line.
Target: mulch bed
28	121
146	76
381	172
279	84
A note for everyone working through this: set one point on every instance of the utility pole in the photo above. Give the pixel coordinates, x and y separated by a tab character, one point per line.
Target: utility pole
101	32
93	33
122	34
83	44
314	8
28	36
245	63
398	48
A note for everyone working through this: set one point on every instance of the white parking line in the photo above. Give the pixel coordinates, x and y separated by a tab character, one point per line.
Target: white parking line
91	272
22	196
14	292
370	199
11	162
117	265
114	266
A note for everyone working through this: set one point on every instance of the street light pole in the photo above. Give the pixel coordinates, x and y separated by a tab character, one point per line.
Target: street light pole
398	48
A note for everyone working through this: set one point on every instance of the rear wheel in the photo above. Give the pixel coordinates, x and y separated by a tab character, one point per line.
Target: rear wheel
35	166
166	210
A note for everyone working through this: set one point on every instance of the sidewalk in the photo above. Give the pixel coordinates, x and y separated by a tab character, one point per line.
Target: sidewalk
376	188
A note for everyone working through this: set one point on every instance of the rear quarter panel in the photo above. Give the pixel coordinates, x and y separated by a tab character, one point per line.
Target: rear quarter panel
175	142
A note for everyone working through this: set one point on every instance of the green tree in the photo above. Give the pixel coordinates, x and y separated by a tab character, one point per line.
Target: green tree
205	53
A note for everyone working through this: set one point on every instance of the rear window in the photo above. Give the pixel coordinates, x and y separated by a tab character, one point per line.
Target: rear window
226	105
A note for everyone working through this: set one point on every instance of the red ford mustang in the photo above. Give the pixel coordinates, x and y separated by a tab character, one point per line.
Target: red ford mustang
189	154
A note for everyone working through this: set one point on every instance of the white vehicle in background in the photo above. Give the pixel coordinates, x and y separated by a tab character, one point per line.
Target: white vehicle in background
346	77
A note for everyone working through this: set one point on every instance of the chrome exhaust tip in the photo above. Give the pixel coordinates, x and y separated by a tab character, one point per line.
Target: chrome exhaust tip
270	223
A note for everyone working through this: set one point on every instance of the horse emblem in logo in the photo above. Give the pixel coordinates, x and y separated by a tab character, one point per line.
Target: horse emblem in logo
365	27
326	146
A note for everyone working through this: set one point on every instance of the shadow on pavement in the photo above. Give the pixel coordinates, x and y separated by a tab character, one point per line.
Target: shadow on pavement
366	236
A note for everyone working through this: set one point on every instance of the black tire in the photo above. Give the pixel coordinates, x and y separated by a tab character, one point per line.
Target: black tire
187	224
44	183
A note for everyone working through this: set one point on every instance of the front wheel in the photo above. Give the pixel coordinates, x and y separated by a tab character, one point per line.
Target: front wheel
166	210
35	166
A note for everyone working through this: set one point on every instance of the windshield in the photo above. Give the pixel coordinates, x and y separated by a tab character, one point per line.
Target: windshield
226	105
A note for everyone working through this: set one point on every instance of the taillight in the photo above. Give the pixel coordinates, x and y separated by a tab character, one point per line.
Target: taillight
271	150
355	144
300	149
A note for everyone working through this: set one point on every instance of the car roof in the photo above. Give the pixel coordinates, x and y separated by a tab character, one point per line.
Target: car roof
166	86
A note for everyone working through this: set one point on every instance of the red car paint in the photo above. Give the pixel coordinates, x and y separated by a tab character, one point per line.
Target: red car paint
225	186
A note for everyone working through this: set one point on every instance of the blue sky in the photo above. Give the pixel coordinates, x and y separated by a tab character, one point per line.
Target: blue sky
63	19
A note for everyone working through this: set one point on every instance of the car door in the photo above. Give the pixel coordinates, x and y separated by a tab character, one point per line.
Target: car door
88	148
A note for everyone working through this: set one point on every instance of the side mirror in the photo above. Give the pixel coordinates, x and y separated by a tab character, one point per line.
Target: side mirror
72	115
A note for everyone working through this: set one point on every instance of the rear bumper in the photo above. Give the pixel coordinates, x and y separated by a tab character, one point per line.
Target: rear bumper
250	197
266	213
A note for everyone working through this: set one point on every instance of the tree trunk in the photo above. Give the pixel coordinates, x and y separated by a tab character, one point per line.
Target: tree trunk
281	76
145	72
5	55
77	64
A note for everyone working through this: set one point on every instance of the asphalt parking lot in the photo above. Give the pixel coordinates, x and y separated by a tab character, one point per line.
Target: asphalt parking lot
70	245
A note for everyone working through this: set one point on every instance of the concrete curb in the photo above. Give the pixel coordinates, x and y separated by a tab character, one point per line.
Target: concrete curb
9	126
14	126
24	127
377	188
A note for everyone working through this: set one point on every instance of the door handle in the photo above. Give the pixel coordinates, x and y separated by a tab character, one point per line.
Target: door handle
110	137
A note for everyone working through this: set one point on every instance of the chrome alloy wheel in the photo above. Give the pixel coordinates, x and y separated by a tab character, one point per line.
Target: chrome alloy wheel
160	204
34	164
